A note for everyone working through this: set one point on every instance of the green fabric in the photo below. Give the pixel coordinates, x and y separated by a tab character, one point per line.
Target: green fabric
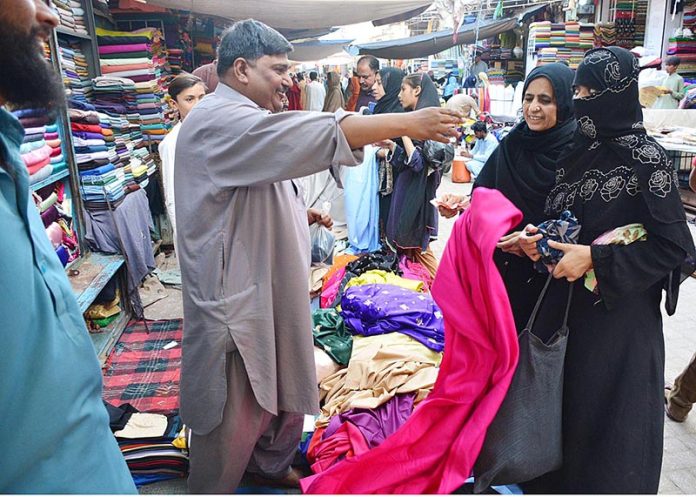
104	322
330	334
127	55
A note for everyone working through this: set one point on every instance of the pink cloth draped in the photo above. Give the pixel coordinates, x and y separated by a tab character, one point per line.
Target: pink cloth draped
435	450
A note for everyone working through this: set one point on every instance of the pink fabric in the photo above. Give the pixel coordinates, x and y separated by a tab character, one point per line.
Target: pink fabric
331	287
415	271
55	234
38	156
134	47
348	441
435	450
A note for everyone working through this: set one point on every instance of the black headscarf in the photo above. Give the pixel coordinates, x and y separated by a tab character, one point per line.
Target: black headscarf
412	219
523	167
429	96
614	169
391	81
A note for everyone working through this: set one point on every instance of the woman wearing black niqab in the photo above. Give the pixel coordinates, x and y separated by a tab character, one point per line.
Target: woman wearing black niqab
615	175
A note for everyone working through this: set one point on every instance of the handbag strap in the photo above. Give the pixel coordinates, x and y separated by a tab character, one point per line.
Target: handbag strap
542	295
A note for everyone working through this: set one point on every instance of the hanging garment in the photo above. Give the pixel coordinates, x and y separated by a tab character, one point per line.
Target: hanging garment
362	204
428	454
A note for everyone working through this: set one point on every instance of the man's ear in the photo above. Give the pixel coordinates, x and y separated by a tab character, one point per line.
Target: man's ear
240	69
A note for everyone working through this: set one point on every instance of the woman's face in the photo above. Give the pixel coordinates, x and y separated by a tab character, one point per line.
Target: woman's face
539	105
377	89
187	99
408	96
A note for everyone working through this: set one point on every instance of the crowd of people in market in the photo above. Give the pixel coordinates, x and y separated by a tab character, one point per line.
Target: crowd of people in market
574	229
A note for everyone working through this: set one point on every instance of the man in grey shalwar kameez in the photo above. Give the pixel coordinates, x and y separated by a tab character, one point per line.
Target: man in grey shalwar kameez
248	370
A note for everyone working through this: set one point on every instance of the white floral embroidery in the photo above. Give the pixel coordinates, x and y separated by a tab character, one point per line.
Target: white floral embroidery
587	127
598	56
612	72
560	172
675	176
660	183
632	188
612	188
647	154
558	201
638	125
630	141
594	145
588	188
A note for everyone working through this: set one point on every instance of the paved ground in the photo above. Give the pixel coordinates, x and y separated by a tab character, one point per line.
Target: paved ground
679	463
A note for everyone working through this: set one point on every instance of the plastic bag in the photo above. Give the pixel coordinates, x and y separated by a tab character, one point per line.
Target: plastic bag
323	243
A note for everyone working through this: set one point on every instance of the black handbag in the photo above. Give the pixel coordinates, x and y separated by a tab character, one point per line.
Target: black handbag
524	440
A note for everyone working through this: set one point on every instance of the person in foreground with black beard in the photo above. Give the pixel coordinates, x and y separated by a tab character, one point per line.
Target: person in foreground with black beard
55	428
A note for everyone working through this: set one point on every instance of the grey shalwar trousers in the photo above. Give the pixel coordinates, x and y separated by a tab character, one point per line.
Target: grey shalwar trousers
248	439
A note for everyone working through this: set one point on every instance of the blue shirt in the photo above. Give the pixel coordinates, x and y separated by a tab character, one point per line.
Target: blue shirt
484	148
53	425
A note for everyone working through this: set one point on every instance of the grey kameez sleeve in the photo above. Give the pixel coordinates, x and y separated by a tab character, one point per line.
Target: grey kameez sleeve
277	147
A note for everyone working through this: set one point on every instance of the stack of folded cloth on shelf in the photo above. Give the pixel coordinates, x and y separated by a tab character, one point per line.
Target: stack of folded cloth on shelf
175	58
140	56
689	19
685	49
41	149
558	38
75	70
71	14
605	34
102	185
542	34
586	36
572	35
548	55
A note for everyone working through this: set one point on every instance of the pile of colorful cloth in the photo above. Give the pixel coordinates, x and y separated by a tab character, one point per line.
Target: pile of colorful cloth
384	333
71	14
74	70
42	149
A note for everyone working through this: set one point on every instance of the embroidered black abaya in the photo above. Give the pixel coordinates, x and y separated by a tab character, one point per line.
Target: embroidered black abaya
614	372
523	168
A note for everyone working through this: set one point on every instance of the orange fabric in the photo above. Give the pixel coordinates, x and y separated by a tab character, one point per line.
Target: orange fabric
355	88
340	261
347	442
125	67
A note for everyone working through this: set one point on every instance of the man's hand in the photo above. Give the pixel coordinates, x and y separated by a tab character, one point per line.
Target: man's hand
527	241
434	123
465	153
316	216
576	260
511	244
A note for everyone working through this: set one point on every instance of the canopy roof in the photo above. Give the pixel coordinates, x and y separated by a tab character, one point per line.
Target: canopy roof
300	14
432	43
316	49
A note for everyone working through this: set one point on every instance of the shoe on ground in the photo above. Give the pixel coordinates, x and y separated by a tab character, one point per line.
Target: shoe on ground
670	410
292	480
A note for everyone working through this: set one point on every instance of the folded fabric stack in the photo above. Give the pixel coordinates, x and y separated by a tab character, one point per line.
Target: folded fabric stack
42	149
140	56
496	75
152	444
605	34
685	49
175	59
572	35
515	72
71	14
102	186
558	38
75	70
548	56
386	337
689	19
641	11
541	32
586	36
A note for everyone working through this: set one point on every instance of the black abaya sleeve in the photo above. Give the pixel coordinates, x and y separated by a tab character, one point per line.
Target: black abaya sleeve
623	270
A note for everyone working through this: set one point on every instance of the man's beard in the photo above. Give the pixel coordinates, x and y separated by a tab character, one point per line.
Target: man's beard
28	80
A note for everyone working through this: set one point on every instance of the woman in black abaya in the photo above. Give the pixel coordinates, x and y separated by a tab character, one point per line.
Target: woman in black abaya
523	168
615	175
